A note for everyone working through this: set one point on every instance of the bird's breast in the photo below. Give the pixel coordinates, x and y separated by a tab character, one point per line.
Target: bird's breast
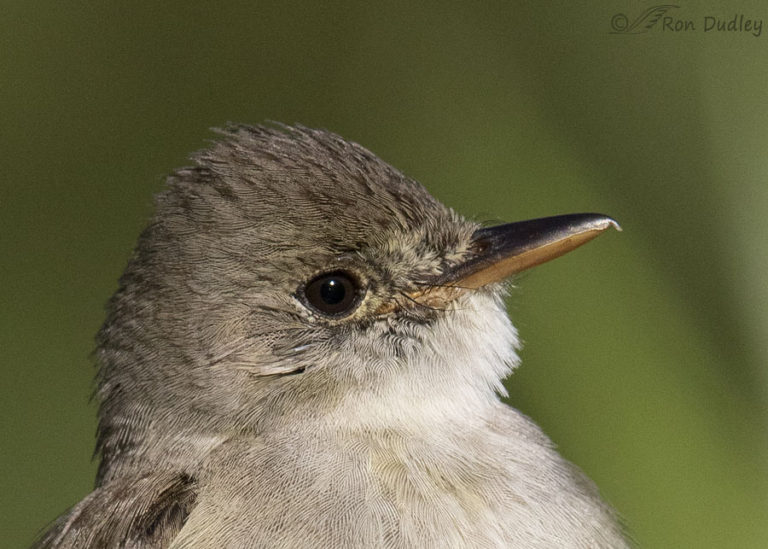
449	487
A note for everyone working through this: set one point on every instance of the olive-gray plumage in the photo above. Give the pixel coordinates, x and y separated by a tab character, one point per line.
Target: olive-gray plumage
235	411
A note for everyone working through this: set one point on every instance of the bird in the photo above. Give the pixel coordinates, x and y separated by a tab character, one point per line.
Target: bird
306	349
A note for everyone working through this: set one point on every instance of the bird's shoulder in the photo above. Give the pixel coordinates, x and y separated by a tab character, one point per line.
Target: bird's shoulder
138	512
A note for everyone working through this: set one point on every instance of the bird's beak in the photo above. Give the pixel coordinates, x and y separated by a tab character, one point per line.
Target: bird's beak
501	251
504	250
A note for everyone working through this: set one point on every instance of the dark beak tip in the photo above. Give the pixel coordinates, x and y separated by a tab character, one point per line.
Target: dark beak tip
599	221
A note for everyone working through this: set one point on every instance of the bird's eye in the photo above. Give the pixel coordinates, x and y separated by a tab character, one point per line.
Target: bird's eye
334	294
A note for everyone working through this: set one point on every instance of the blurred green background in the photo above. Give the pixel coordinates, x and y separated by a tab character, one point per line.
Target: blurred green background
645	352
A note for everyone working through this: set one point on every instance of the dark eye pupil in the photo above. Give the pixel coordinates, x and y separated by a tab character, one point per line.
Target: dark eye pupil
334	294
332	291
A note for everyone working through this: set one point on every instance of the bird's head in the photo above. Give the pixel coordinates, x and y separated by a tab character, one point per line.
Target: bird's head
290	271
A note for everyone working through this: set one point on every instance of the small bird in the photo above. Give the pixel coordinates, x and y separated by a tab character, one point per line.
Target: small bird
306	349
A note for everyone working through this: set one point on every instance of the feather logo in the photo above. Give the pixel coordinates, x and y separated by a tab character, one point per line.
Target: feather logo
644	22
